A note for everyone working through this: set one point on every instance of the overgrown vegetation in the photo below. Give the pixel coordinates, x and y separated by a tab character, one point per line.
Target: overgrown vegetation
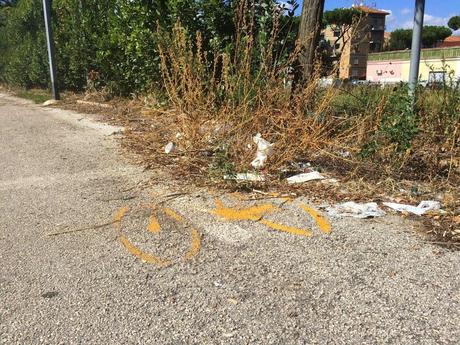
36	95
215	73
105	43
223	71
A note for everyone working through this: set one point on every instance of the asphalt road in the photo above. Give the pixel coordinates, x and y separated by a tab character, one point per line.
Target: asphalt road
145	265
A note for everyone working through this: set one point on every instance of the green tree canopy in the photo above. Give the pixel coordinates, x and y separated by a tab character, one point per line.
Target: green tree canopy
402	38
341	16
434	34
454	23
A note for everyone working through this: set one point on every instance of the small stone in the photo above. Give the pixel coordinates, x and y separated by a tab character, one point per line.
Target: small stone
50	294
232	301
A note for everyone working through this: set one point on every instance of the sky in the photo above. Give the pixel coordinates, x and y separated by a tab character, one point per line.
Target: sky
437	12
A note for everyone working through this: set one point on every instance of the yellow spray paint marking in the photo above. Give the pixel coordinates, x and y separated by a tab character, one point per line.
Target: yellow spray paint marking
256	213
173	215
119	215
285	228
151	259
195	246
250	213
322	222
155	227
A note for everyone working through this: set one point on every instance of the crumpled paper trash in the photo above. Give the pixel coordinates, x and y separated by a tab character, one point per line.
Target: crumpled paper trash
246	177
305	177
170	147
353	209
264	148
422	208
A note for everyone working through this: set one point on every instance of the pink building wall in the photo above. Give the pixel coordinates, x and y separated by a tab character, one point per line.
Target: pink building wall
384	71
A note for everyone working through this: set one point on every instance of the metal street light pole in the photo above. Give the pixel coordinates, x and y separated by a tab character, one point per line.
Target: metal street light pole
416	45
50	43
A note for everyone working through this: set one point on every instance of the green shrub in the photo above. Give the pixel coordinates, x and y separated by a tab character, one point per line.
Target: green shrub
24	53
400	123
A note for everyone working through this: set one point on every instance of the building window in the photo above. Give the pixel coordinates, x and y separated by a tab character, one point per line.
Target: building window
356	61
354	72
437	77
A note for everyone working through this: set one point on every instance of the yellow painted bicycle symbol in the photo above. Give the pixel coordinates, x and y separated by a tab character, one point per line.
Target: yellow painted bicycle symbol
254	213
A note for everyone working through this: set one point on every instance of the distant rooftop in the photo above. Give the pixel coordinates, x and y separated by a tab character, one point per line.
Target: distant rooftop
367	9
451	41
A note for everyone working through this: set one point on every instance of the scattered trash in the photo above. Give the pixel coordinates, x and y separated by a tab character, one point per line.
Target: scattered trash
303	166
344	153
333	181
264	148
422	208
245	177
305	177
50	102
353	209
96	104
170	147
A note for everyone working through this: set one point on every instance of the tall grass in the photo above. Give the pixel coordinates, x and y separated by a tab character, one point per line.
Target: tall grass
220	100
220	104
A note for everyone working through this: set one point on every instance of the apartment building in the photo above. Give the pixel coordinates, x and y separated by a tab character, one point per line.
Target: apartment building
368	36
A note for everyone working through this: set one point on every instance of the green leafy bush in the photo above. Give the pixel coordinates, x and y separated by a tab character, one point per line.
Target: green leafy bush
112	39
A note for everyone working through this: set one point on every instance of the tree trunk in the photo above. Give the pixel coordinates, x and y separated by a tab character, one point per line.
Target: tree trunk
309	34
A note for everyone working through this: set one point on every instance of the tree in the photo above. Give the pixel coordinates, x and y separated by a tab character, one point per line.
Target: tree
454	23
400	39
431	35
309	35
341	21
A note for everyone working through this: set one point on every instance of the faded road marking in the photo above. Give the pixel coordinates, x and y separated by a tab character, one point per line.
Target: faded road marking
151	259
173	215
285	228
195	246
254	213
322	222
155	227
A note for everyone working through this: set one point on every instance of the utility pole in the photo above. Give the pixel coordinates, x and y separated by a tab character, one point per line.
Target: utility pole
416	45
50	43
309	34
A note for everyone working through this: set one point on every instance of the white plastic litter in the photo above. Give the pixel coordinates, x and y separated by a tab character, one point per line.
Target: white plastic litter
245	177
344	153
264	148
353	209
170	147
422	208
50	102
305	177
